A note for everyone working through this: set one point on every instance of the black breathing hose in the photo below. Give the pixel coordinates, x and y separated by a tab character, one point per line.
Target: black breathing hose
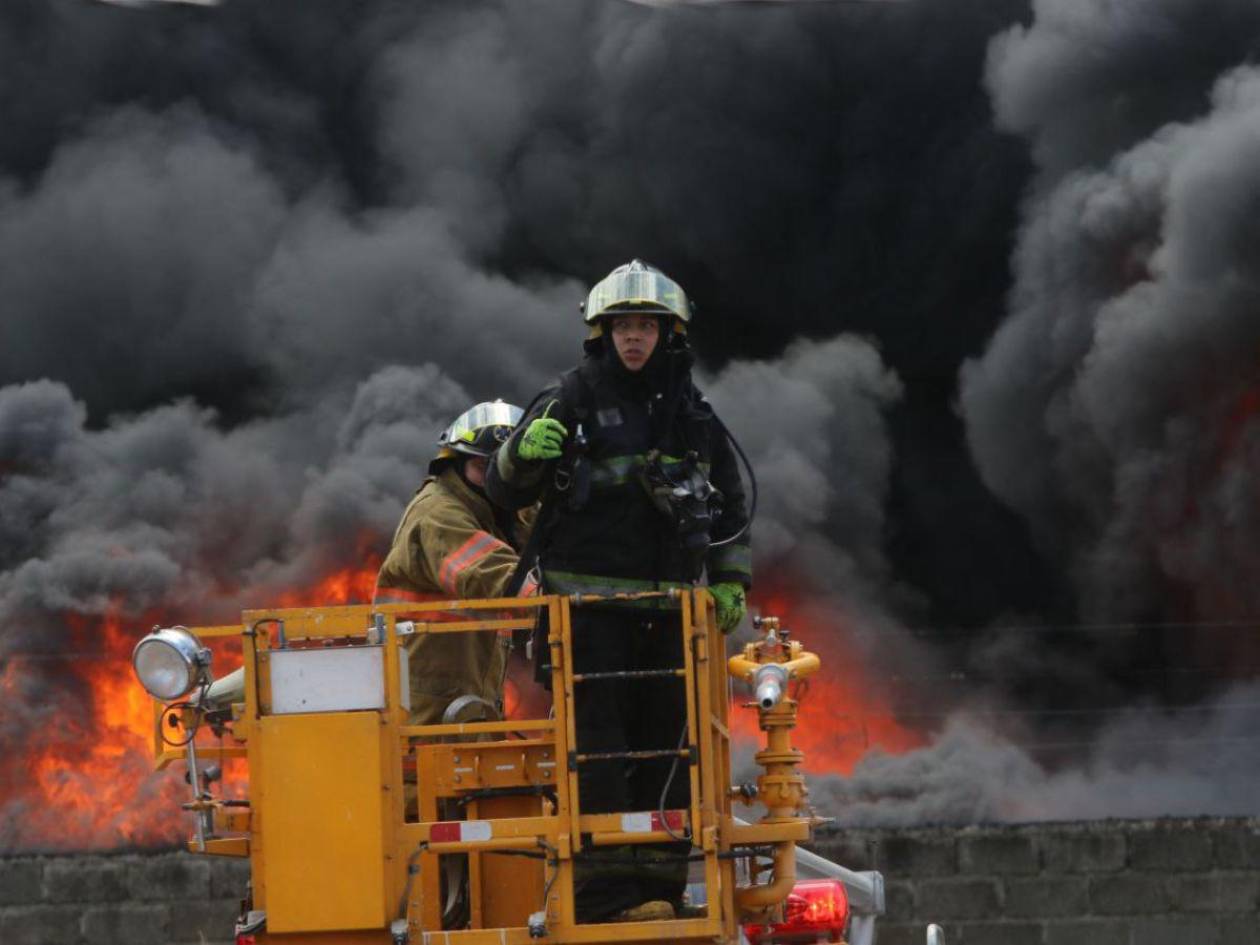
752	482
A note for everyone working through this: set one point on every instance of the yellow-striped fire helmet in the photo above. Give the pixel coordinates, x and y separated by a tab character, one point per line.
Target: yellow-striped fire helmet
478	430
636	289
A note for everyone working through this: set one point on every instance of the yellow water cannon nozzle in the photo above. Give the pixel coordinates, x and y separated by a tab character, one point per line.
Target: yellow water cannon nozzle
769	664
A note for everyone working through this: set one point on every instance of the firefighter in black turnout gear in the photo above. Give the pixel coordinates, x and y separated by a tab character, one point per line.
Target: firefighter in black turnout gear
640	492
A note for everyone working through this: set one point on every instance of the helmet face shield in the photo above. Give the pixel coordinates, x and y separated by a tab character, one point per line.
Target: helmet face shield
637	289
479	430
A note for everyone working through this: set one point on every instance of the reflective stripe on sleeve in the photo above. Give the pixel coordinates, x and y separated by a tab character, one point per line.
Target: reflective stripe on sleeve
618	470
518	475
734	557
464	557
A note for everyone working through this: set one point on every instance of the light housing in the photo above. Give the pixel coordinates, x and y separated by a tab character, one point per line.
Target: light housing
170	663
815	910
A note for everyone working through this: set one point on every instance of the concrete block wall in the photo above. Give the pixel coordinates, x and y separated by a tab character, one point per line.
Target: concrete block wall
120	899
1178	882
1174	882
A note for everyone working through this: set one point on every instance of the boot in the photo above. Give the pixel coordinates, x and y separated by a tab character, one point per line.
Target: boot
655	910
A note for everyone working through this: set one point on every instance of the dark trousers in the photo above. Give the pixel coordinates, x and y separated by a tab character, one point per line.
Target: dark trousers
617	715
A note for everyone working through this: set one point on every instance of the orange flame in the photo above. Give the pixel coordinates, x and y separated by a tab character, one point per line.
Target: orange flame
348	586
83	779
842	714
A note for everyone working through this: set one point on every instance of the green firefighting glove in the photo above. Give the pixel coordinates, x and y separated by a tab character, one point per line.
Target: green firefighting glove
728	598
543	438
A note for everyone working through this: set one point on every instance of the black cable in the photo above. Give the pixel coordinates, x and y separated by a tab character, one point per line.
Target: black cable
555	874
584	857
673	770
535	790
198	709
752	482
412	871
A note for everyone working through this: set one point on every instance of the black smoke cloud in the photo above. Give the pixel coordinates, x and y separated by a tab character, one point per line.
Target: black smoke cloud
169	508
1115	412
260	206
1113	409
735	147
128	268
252	259
169	515
813	423
1145	762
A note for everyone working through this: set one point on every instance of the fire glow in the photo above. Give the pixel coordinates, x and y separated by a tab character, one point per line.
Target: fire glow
83	778
842	715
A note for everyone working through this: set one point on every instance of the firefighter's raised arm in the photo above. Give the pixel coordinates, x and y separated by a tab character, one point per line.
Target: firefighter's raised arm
517	472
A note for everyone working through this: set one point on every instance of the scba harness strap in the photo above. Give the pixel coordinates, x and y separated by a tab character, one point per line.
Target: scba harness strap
563	482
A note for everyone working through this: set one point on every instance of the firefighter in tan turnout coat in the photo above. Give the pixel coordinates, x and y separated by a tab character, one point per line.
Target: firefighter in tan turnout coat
452	543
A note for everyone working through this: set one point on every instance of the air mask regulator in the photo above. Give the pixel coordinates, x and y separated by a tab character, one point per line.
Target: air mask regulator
685	497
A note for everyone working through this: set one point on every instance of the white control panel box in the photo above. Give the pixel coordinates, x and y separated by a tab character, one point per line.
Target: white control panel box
333	679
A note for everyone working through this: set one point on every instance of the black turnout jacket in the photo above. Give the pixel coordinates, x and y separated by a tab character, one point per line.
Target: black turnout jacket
616	538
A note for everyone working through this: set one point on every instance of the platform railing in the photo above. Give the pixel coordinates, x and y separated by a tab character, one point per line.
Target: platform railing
516	780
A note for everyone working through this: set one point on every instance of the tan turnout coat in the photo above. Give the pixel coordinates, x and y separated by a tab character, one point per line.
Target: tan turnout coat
448	546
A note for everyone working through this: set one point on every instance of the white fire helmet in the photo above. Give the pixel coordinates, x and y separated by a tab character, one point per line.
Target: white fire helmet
637	289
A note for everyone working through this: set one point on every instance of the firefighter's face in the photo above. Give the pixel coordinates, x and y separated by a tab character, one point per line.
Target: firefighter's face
475	469
635	338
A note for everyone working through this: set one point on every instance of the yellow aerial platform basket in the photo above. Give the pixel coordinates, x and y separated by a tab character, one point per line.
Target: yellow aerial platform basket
353	815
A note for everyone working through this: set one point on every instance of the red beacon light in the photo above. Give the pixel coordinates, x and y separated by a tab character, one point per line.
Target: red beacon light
817	910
